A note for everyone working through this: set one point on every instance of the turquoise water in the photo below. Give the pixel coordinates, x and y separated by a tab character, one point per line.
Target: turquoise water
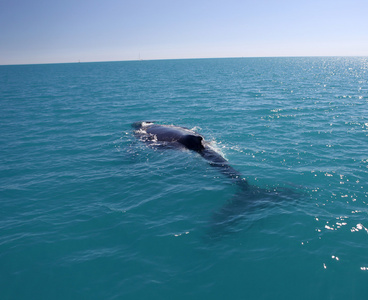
89	212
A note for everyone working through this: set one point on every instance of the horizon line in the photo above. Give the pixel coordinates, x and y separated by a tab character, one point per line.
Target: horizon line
183	58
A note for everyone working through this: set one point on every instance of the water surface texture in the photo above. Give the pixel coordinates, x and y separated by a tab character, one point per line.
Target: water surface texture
87	211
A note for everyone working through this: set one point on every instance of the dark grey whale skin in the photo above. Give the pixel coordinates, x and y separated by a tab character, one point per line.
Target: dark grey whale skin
173	136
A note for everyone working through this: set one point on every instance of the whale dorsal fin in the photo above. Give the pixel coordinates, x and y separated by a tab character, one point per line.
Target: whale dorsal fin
192	142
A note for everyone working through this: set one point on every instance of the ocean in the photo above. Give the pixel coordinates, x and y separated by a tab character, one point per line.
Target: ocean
88	211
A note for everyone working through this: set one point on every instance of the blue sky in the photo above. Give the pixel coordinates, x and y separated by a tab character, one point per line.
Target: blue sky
47	31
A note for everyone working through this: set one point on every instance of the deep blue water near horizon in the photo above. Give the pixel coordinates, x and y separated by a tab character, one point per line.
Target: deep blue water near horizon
89	212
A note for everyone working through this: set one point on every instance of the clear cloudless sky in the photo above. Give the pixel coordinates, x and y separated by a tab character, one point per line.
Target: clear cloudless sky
48	31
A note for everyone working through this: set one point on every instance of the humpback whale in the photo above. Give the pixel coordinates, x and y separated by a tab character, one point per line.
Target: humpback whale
174	136
247	197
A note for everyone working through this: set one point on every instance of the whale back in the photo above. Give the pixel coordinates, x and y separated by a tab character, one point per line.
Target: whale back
168	133
173	135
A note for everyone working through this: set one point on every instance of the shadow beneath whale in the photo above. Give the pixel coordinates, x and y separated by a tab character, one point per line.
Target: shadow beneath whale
250	203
